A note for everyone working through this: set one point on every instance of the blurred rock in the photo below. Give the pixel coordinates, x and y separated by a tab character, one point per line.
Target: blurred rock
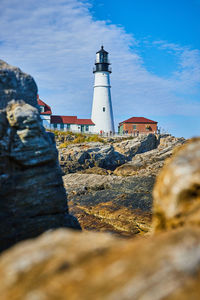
177	189
68	265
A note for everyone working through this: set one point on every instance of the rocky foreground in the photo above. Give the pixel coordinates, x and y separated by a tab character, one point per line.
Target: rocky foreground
68	265
110	183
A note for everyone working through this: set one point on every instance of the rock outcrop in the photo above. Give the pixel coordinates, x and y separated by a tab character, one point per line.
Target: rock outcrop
15	84
136	145
150	162
32	196
77	157
120	204
177	189
112	204
88	155
71	265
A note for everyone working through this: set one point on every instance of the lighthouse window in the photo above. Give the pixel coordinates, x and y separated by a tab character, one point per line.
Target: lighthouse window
104	109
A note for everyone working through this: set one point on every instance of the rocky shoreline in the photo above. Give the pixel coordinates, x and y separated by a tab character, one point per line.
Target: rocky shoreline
110	184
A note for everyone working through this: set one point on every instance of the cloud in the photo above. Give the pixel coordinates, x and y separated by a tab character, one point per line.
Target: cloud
56	41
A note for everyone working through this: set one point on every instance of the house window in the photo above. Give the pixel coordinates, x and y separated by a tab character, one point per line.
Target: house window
134	127
104	109
41	108
86	128
55	126
61	126
68	126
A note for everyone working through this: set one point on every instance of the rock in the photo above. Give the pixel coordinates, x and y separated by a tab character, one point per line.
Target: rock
32	195
84	156
14	84
177	189
68	265
96	170
114	204
136	145
150	162
79	157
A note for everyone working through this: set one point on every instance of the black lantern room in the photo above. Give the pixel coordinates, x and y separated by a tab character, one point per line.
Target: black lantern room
102	63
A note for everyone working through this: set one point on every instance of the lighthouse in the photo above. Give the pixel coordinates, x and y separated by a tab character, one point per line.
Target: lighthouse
102	113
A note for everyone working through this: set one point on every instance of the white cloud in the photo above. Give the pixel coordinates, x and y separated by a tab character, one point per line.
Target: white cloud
56	40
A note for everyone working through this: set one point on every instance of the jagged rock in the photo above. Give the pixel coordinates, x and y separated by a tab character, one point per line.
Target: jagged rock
83	156
177	189
32	195
111	203
74	158
136	145
15	84
150	162
87	266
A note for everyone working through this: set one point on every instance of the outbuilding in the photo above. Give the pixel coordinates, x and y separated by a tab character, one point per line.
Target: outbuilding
137	125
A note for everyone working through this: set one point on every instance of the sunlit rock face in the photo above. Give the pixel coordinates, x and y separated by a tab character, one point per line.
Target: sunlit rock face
32	196
177	190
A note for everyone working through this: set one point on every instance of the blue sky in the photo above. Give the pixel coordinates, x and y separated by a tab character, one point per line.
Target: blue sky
154	48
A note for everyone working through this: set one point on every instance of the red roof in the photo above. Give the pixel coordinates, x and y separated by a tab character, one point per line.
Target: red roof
84	122
70	120
47	108
64	119
138	120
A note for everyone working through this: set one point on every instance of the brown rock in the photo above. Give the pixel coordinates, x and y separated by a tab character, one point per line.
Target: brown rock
177	189
69	265
110	203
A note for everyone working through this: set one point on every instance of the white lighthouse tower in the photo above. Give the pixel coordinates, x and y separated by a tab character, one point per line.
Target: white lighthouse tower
102	113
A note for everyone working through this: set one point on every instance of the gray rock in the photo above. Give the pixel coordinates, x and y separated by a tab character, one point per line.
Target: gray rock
83	156
32	195
150	162
137	145
14	84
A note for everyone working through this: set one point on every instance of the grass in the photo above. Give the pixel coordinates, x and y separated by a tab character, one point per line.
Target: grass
75	138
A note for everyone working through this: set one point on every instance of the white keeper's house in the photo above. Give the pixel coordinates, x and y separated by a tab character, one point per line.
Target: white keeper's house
64	123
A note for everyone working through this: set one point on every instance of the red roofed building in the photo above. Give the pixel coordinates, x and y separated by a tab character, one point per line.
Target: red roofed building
45	112
66	123
136	125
